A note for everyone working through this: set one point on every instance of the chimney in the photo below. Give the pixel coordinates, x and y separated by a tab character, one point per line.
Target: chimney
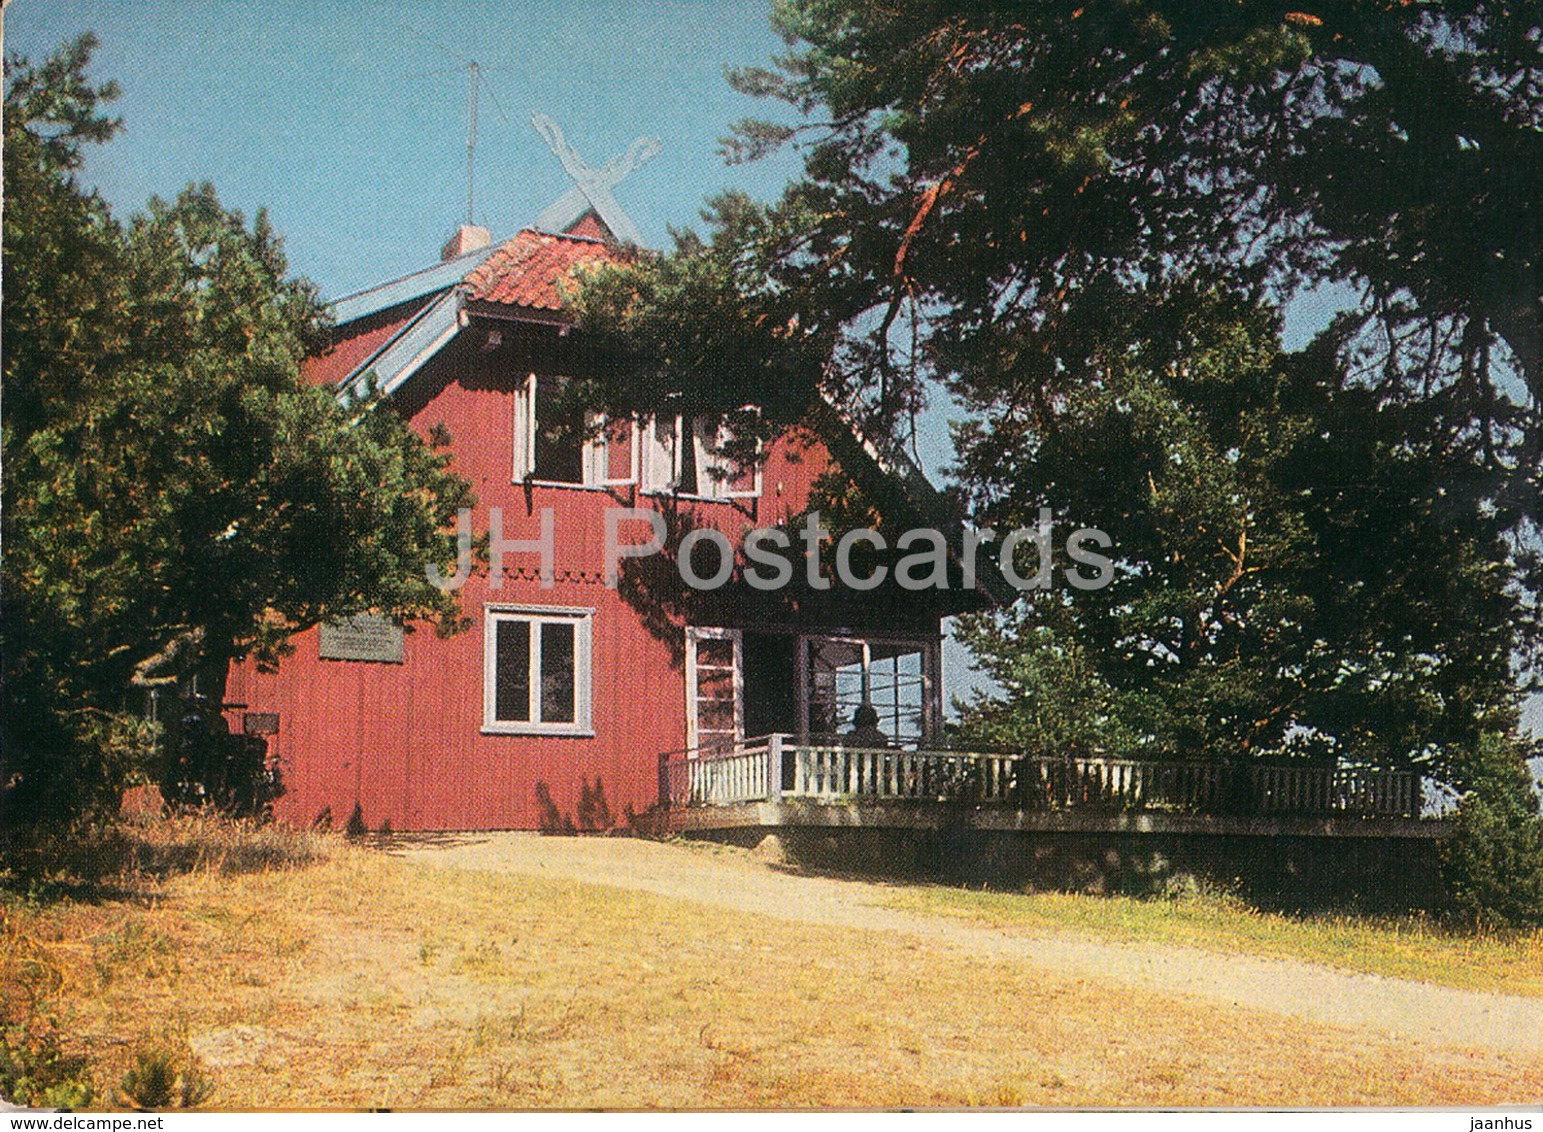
467	238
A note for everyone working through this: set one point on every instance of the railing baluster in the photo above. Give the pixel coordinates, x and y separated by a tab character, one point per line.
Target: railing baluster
750	771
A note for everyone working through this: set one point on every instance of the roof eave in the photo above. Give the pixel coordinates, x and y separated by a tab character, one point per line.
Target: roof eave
508	312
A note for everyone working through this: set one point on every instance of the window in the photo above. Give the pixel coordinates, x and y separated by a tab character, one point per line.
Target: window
536	671
557	441
683	455
894	678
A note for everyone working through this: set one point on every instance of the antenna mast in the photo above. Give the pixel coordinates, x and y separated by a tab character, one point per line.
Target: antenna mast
472	73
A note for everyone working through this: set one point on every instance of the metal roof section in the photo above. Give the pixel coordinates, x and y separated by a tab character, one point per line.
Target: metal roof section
520	276
384	296
407	350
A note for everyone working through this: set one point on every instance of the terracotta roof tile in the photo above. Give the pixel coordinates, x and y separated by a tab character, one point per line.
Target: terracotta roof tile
526	269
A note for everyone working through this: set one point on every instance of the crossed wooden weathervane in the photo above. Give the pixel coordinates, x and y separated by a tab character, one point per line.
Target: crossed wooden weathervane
591	186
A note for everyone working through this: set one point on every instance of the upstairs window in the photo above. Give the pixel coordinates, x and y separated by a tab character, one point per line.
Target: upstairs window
557	441
684	455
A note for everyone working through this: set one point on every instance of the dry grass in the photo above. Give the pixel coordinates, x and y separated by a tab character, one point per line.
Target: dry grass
1409	948
362	980
129	859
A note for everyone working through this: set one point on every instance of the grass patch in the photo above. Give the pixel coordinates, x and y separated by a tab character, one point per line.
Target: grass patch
1402	948
362	980
128	858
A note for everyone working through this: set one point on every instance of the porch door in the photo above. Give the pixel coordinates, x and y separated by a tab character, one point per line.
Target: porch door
715	687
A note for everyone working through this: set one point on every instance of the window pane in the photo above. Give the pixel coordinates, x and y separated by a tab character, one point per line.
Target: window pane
715	652
618	450
560	432
688	469
715	715
892	684
511	701
715	683
557	683
658	455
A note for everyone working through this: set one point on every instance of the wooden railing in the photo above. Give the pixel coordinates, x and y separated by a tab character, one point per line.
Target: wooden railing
774	767
1123	784
868	772
722	776
1333	790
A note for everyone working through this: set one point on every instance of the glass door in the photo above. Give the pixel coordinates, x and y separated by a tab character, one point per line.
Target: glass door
715	688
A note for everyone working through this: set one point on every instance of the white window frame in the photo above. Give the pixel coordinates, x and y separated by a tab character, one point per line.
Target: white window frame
708	486
931	649
597	453
594	460
582	620
653	478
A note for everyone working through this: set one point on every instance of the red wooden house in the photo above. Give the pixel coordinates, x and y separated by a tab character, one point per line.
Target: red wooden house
562	690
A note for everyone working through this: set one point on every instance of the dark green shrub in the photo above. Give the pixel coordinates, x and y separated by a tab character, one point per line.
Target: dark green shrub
201	762
165	1076
1493	863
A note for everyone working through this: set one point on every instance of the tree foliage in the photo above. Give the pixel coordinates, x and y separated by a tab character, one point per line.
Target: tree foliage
982	179
1077	218
1294	576
1493	863
174	494
1013	200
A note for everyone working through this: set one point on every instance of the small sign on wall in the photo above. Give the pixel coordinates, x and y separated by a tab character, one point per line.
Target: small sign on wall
260	723
367	636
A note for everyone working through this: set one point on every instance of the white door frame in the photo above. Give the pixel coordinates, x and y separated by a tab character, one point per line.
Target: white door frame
699	633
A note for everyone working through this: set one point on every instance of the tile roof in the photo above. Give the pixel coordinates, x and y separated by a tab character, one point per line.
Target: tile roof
525	270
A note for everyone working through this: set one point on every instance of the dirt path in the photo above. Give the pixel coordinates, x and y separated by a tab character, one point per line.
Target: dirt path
738	880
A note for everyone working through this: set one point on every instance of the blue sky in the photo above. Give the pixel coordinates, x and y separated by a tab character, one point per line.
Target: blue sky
347	120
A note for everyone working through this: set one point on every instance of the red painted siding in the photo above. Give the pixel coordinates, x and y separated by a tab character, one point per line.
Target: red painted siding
355	342
404	741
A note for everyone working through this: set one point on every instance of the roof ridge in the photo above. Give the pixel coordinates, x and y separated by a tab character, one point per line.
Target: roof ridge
533	230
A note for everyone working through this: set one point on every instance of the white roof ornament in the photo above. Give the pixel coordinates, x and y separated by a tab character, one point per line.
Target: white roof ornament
591	187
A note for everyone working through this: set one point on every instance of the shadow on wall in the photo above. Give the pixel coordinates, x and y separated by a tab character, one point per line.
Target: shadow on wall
355	828
593	814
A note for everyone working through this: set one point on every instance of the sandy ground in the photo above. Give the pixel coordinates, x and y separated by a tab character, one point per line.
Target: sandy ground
728	878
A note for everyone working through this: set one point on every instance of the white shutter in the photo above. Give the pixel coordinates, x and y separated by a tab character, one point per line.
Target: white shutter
525	430
660	453
709	467
596	459
610	444
718	477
